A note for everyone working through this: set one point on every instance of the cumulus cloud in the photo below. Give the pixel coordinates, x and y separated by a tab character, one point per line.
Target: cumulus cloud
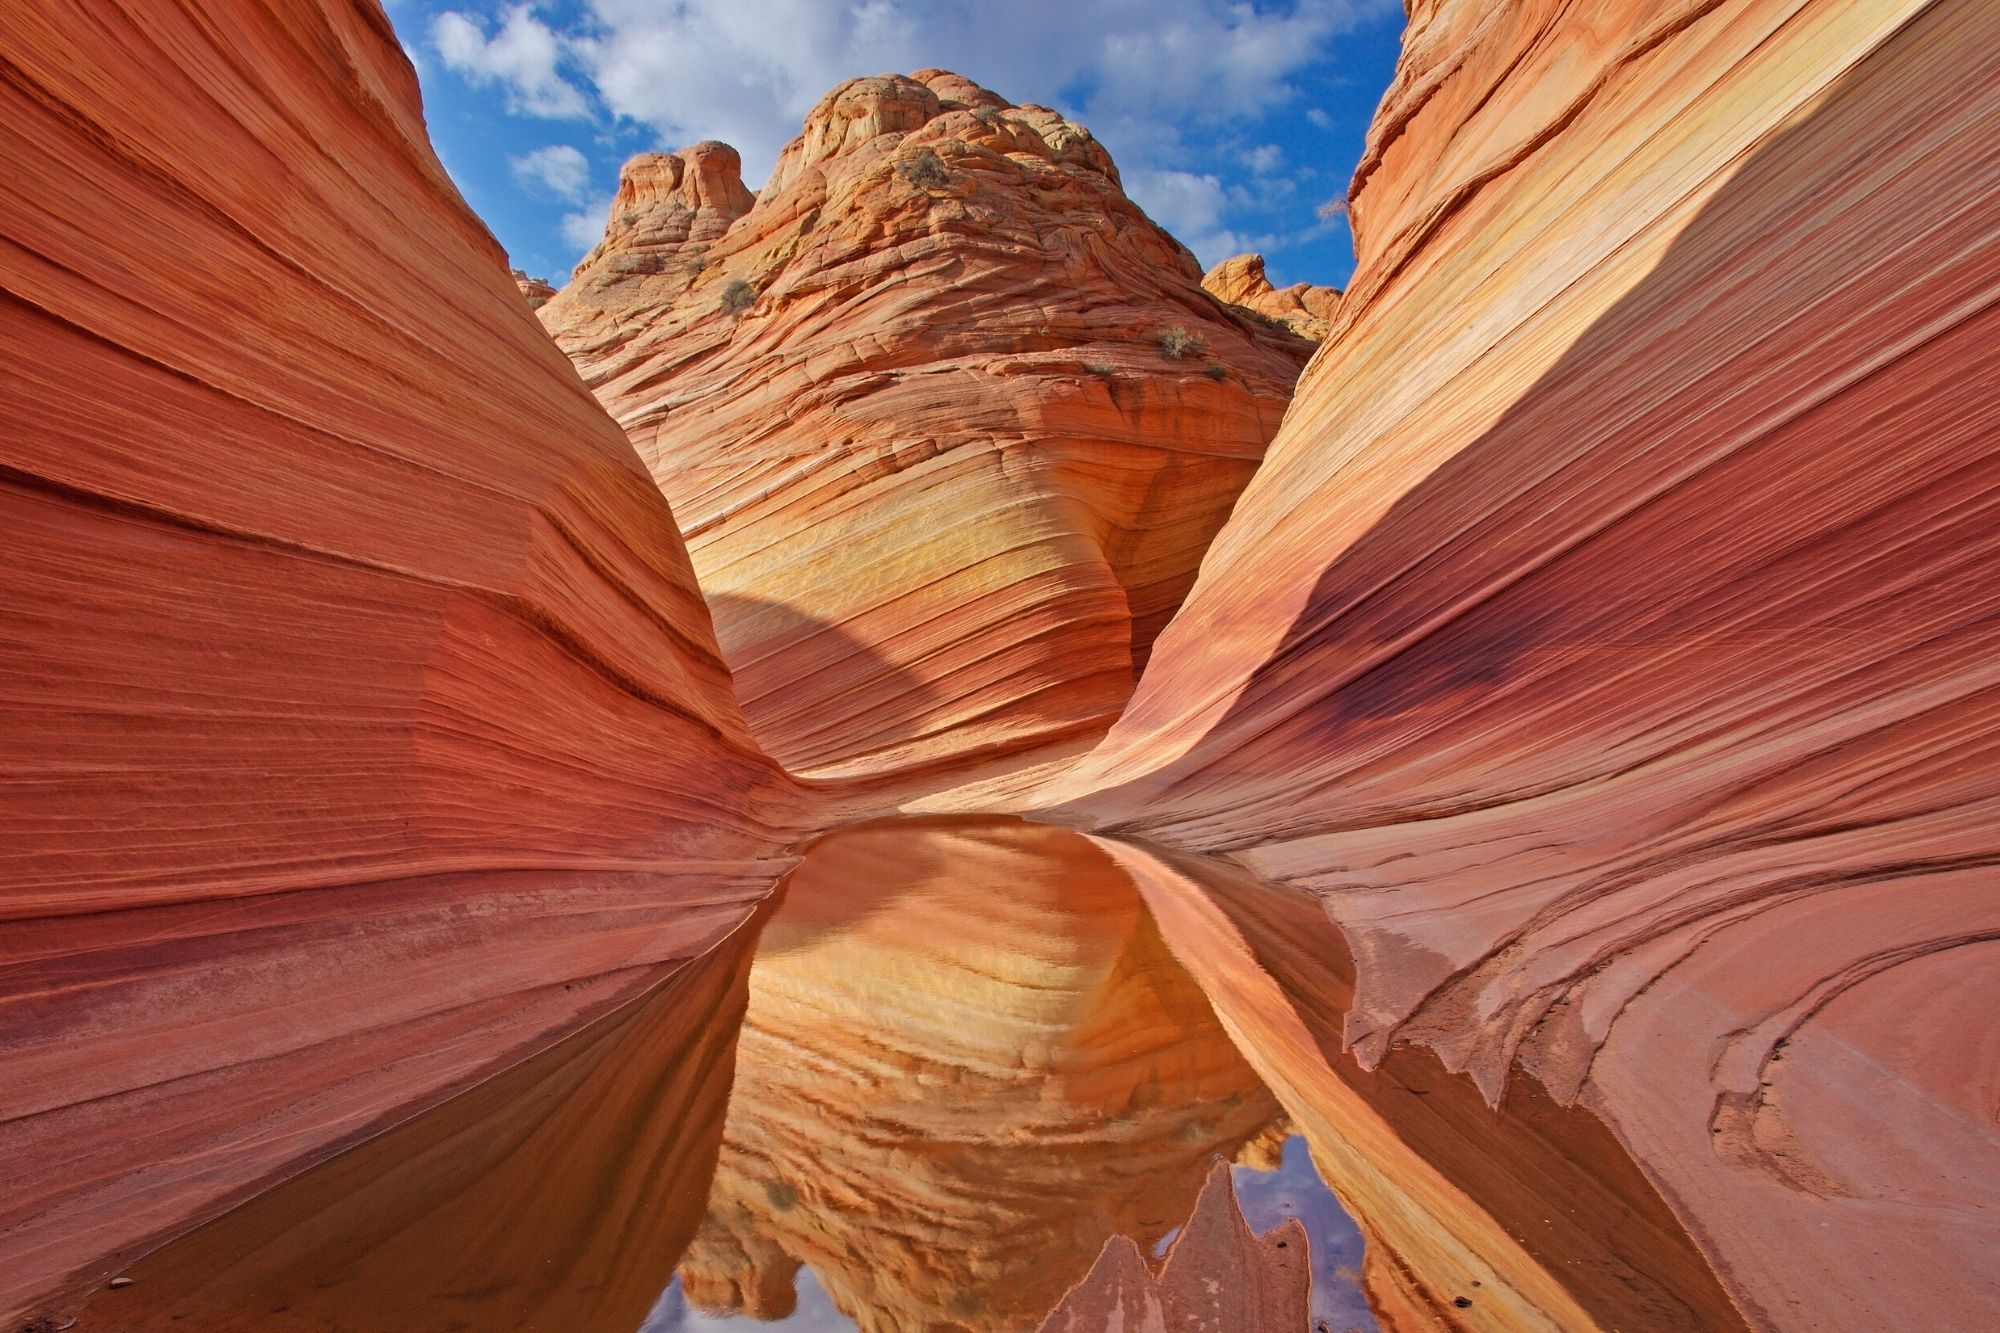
747	71
522	56
1162	82
583	228
1192	206
559	171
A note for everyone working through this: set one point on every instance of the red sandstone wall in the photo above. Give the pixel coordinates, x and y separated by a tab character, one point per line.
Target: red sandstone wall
357	692
1612	635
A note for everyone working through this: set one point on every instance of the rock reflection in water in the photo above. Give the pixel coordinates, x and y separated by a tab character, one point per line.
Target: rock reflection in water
1529	1217
967	1054
556	1195
968	1059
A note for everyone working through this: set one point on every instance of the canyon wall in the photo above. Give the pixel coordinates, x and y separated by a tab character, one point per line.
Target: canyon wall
362	721
947	421
1612	634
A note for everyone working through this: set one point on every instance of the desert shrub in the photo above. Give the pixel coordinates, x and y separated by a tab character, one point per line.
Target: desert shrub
1101	369
737	297
923	170
1217	371
1179	342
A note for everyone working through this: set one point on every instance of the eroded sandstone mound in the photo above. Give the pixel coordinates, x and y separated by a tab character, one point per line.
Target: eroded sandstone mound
947	421
1620	655
362	720
1305	309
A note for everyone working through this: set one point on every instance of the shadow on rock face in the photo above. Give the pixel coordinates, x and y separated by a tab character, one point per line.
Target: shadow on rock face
770	648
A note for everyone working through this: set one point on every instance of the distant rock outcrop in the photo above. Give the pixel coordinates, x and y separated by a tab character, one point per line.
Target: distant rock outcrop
947	421
1303	308
1218	1275
1612	634
537	290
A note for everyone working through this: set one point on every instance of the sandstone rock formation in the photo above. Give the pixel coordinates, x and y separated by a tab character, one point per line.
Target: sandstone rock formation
537	290
946	419
362	720
1610	639
1218	1274
1303	308
967	1059
1619	656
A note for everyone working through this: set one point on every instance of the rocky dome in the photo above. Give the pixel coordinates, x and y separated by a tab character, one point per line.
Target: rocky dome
946	419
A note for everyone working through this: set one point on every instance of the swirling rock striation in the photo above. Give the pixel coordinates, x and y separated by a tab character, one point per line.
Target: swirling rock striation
1612	635
362	721
947	421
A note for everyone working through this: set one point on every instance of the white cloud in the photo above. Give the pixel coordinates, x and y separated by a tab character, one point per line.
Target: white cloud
521	56
1191	206
559	170
583	228
1216	60
1320	118
747	71
1168	85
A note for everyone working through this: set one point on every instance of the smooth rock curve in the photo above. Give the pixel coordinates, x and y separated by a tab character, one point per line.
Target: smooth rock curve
362	722
1612	634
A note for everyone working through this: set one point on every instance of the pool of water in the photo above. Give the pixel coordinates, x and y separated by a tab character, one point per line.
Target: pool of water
920	1092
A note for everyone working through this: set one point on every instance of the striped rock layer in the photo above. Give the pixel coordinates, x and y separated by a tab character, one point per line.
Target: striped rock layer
361	719
946	419
1611	637
1612	634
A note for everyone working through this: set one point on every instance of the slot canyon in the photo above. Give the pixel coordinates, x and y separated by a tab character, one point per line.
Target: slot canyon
893	754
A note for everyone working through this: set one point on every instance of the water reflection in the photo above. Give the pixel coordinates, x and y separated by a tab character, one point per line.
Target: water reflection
968	1060
967	1054
557	1195
1532	1216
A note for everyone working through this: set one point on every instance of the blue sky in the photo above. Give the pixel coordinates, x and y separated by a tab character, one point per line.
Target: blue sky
1234	124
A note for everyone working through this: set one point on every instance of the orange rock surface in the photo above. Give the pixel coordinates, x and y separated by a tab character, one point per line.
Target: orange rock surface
1303	308
1618	651
1610	640
1534	1217
362	720
947	421
606	1141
